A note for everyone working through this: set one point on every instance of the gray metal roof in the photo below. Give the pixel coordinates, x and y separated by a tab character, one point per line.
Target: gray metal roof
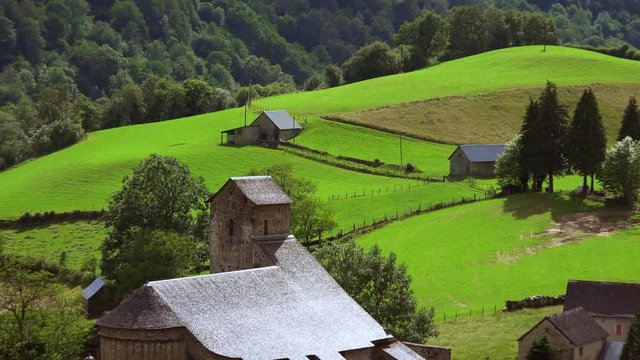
282	120
290	310
261	190
577	326
612	351
481	153
93	288
613	299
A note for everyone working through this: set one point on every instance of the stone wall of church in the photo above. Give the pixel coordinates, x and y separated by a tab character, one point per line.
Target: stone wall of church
116	344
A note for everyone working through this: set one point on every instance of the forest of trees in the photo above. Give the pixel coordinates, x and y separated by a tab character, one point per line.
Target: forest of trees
118	62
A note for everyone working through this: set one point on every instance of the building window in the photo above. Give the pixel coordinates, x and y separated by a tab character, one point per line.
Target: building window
230	227
619	329
266	227
580	351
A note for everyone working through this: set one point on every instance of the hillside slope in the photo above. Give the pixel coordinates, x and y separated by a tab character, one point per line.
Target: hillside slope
520	67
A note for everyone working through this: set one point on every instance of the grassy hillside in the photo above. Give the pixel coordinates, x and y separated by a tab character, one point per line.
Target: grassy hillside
490	117
83	176
497	70
80	240
481	254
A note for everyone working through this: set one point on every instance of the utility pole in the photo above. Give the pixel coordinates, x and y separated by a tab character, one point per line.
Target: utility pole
401	163
247	102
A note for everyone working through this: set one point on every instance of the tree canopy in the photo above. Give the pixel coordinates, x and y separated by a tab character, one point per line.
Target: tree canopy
620	174
631	349
381	286
160	195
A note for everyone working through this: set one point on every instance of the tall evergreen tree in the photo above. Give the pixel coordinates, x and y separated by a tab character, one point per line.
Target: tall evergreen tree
529	161
541	349
586	140
630	121
631	348
553	119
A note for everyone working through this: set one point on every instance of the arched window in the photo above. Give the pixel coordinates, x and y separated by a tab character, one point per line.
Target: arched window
266	227
231	227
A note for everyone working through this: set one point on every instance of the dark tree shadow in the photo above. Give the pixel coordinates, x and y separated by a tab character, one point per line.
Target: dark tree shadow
525	205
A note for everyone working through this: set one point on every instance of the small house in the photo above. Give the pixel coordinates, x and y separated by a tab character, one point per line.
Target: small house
613	305
474	160
269	128
574	334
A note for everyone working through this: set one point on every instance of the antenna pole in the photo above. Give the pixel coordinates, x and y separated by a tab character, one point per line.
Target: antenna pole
247	102
401	163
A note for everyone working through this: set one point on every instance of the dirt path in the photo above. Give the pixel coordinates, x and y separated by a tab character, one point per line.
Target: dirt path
574	227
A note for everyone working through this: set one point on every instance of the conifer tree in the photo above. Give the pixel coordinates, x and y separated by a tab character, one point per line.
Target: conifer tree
630	121
541	349
586	140
553	119
631	348
530	163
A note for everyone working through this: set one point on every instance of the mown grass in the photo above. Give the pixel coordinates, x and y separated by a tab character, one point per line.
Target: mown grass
489	117
511	68
80	240
493	336
481	254
85	175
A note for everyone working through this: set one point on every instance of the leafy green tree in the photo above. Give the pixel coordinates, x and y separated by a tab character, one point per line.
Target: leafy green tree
507	170
586	139
620	174
198	97
160	195
370	61
630	121
8	39
38	318
127	19
469	31
541	349
429	33
631	349
313	83
530	161
380	286
333	76
12	141
127	107
154	255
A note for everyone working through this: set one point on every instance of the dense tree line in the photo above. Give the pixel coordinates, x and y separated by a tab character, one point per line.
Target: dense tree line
113	61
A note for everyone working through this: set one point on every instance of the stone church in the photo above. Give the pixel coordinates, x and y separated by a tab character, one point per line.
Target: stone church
267	297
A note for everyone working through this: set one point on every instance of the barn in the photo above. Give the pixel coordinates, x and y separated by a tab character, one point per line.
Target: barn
269	128
474	160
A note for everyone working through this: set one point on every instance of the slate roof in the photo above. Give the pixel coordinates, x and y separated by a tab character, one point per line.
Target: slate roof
481	153
282	120
612	351
611	299
290	310
260	190
93	288
577	326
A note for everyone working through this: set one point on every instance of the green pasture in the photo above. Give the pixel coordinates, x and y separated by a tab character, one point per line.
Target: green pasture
376	204
84	175
479	255
511	68
493	336
80	240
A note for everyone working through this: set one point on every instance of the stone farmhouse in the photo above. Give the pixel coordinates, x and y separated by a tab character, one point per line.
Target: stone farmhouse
269	128
612	304
474	160
574	333
594	321
267	297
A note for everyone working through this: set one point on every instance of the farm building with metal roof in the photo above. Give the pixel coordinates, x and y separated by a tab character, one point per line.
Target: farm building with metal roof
269	128
474	160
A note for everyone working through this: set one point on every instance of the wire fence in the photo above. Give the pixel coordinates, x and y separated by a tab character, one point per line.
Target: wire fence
378	222
453	316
